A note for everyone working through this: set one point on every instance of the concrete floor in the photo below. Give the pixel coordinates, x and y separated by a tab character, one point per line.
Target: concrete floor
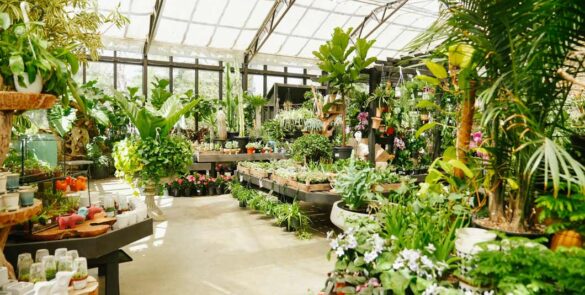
211	246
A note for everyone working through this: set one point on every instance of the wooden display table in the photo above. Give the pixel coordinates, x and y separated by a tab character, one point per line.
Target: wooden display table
7	220
226	158
102	251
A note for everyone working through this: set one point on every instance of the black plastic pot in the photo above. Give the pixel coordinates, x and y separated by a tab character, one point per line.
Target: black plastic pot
219	190
211	191
187	192
243	204
578	142
232	135
99	172
174	192
342	152
242	142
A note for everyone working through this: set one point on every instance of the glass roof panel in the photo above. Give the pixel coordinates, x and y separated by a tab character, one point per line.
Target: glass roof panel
224	37
170	31
178	9
236	13
209	11
198	35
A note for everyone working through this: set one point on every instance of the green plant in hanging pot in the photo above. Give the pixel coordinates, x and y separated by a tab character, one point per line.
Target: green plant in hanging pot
342	72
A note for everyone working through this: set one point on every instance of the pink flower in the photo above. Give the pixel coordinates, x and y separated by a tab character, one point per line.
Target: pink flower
399	143
191	178
180	181
477	137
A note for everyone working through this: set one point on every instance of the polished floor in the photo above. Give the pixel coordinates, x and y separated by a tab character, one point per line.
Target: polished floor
209	245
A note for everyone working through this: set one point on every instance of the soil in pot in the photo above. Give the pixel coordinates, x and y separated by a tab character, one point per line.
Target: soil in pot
342	152
486	223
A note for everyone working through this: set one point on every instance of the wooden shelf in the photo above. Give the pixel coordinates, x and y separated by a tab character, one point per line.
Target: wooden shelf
21	215
17	101
219	158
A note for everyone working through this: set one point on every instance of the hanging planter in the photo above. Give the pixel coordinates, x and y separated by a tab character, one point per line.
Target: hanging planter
379	111
376	121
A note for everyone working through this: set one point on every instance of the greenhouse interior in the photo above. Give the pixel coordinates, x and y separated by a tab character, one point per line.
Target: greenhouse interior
265	147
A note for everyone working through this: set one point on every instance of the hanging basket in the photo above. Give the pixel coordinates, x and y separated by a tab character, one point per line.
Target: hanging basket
11	100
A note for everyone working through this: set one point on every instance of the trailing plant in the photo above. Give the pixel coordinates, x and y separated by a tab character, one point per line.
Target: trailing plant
311	147
313	125
291	217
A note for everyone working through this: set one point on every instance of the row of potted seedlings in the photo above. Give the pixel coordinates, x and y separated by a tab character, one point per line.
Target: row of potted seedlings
13	196
198	185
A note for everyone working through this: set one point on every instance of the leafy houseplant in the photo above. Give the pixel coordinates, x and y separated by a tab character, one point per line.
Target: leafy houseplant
522	92
341	71
566	212
155	154
26	57
311	148
355	187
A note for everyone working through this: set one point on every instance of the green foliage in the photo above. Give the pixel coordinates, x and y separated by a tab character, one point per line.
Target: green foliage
150	122
163	157
271	130
522	266
566	211
291	217
126	159
96	152
61	119
159	93
24	53
354	184
312	147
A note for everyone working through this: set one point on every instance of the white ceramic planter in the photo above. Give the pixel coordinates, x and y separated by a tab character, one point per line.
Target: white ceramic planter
3	178
469	237
35	87
27	195
339	215
10	201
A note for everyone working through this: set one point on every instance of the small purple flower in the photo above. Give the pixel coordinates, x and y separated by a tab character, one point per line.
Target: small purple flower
399	143
477	137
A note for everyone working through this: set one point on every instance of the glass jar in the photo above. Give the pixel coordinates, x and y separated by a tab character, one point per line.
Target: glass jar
24	262
50	265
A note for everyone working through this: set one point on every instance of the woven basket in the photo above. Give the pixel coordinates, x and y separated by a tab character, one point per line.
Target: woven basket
10	100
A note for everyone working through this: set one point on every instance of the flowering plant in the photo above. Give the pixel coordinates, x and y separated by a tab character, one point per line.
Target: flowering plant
362	118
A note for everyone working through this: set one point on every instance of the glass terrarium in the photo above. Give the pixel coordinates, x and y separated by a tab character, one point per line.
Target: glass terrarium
24	262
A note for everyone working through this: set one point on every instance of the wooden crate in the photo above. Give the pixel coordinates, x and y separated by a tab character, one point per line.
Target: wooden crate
231	151
318	187
259	173
385	187
243	170
278	179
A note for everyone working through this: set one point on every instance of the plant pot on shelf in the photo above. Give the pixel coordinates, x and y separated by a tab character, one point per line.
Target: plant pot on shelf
3	177
35	87
566	238
342	152
376	121
175	192
26	195
211	190
339	214
10	201
251	150
219	190
12	181
232	135
187	192
242	142
379	111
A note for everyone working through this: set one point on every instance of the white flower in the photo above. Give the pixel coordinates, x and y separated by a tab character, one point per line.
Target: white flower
397	264
370	256
350	231
427	262
378	243
431	290
431	248
339	252
351	242
334	244
330	234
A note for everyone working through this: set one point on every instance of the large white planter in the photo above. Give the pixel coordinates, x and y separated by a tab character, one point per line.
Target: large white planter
466	245
339	215
35	87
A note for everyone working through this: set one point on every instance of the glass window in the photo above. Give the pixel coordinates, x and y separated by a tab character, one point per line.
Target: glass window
183	80
129	76
103	73
256	66
294	70
209	84
158	57
129	54
276	69
157	72
190	60
270	80
256	84
211	62
294	81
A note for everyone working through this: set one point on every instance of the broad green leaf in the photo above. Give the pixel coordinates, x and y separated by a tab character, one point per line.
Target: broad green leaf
512	183
437	69
16	64
460	165
428	79
424	128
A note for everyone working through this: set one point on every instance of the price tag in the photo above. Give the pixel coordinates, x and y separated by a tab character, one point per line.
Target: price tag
241	178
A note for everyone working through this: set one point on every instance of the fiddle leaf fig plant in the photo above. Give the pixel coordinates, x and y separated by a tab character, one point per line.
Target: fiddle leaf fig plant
341	71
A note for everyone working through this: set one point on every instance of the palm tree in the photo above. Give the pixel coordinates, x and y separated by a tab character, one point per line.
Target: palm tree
521	46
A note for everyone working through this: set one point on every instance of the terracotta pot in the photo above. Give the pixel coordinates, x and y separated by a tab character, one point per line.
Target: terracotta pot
251	150
379	112
566	238
339	285
376	122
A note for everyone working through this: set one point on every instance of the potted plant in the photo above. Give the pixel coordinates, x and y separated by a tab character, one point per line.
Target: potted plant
291	217
521	120
155	154
174	188
252	147
566	215
342	72
311	148
381	96
80	274
220	184
231	147
211	186
354	184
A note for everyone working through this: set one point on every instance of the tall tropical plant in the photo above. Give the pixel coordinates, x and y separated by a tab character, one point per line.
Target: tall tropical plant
522	47
342	71
256	102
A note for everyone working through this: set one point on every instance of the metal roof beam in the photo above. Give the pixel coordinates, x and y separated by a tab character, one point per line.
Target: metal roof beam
154	20
275	15
379	16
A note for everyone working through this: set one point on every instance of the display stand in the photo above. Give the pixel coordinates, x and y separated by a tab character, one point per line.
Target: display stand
225	158
7	220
